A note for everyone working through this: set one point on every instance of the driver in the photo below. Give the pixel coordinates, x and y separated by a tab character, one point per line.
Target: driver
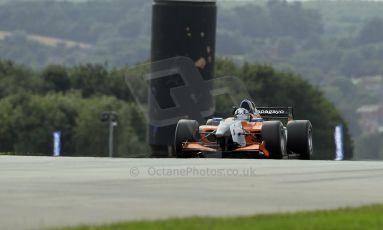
249	106
242	114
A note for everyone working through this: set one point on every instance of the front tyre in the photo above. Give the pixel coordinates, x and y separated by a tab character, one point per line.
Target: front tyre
273	134
299	138
186	131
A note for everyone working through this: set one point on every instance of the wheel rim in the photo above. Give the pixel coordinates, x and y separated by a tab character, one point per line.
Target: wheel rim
310	141
283	141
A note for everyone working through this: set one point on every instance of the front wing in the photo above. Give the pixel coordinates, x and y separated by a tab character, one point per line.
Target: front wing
254	150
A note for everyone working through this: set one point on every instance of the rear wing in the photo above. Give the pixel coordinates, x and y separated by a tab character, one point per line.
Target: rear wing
283	114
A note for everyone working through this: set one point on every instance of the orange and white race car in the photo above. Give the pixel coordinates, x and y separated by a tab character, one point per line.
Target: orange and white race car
267	132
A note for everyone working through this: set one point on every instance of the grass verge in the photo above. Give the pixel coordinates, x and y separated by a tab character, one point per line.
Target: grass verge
368	217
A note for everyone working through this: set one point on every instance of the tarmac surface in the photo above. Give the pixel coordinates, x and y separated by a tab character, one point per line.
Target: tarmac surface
41	192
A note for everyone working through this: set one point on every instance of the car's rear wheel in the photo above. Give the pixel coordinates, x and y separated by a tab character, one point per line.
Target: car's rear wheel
299	139
273	134
186	130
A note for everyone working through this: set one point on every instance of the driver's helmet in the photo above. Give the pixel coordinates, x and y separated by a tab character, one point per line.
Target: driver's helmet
249	106
241	114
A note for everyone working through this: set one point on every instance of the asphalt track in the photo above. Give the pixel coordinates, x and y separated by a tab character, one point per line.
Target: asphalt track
40	192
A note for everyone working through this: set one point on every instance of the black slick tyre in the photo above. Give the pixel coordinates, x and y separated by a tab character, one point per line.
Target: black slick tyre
186	131
273	134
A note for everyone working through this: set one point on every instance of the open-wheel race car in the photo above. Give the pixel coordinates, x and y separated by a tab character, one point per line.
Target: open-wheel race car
263	132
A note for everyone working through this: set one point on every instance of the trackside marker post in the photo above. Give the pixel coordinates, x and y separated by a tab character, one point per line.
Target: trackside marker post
339	154
56	143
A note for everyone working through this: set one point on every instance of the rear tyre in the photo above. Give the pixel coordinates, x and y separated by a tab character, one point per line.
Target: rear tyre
299	138
186	130
273	134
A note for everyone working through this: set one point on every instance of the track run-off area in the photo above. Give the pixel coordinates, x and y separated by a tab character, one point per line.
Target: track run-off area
41	192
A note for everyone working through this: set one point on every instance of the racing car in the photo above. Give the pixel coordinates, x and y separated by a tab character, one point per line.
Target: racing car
263	132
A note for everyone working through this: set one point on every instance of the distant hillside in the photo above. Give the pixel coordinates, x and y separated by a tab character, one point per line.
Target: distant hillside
48	41
88	22
343	17
333	44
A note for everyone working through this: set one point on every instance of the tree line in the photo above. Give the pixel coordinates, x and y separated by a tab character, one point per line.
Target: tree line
34	104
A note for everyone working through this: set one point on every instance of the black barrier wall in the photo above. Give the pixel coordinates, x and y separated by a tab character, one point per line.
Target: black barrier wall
179	28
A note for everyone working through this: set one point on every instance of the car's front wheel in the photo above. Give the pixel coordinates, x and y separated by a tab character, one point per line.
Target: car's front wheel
299	138
186	130
273	134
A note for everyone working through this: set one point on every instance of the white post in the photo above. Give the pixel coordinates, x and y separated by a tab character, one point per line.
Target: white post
56	143
339	154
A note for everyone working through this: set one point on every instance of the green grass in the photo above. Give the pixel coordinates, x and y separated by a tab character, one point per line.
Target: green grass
369	217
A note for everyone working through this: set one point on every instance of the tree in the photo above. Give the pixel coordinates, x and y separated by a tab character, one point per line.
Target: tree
16	78
56	78
90	79
28	122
